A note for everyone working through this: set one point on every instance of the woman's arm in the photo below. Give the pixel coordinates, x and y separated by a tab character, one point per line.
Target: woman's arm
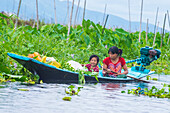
105	69
125	70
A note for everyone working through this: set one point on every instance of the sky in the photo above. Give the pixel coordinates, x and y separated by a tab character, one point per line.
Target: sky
120	8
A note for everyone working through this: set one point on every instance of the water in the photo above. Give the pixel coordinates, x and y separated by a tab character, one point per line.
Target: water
99	98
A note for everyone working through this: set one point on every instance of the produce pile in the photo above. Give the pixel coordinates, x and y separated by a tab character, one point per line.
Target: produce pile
45	59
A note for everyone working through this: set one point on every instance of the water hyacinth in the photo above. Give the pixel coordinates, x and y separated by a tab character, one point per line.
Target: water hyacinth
15	65
67	40
105	46
72	55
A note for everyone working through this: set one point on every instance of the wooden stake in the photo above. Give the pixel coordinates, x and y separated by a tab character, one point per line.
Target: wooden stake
33	26
84	9
7	6
105	23
68	14
163	31
147	30
168	39
76	13
37	14
104	14
140	20
55	13
70	19
25	16
168	17
156	19
17	14
169	25
129	17
155	34
13	6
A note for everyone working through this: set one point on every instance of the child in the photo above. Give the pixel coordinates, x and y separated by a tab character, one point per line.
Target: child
114	63
94	59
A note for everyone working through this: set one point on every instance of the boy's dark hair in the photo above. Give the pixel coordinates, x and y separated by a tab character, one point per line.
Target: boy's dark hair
116	50
94	56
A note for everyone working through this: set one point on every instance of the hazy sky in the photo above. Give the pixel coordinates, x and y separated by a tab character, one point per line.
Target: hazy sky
120	8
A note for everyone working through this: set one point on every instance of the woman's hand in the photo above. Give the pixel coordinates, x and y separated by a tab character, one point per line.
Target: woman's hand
118	74
106	71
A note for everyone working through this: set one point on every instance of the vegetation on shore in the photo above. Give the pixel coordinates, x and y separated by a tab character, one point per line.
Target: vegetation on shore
84	40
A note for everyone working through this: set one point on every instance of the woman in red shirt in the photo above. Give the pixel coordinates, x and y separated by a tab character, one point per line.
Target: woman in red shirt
114	63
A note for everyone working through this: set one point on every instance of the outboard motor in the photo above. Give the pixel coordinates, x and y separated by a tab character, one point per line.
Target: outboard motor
148	55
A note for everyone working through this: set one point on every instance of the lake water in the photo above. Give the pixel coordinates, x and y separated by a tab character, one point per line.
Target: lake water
93	98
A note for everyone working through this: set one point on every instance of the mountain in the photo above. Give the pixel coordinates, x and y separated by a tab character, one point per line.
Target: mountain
46	13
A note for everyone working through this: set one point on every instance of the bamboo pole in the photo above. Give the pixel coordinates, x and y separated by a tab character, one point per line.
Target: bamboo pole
168	17
67	15
163	30
169	25
147	30
17	14
155	33
156	19
33	26
44	16
168	39
113	28
37	14
55	13
105	23
104	14
71	13
76	13
13	6
129	17
25	16
68	11
7	6
84	9
70	19
140	20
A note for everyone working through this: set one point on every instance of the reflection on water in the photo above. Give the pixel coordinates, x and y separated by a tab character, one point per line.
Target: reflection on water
100	98
111	86
117	86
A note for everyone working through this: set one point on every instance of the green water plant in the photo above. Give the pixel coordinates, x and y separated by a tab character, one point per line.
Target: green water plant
67	98
72	91
23	89
153	92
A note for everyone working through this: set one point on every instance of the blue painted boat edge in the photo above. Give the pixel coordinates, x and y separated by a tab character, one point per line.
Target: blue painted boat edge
36	61
18	56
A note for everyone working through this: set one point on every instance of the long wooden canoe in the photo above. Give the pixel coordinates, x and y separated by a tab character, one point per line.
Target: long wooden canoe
51	74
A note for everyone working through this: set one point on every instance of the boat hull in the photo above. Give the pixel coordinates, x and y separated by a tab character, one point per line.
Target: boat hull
51	74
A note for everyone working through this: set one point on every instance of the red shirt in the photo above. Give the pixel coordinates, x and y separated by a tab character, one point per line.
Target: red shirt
96	69
114	67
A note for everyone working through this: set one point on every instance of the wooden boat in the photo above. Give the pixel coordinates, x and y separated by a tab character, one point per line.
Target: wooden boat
51	74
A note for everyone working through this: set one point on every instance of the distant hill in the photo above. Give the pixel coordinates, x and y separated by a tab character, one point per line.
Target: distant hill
46	13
